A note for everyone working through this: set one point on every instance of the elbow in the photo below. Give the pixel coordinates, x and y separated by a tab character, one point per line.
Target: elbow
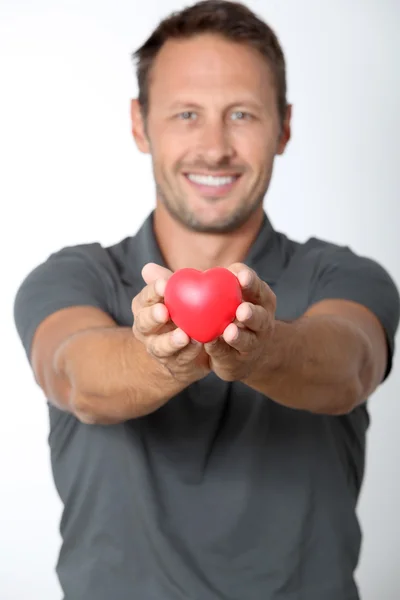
82	408
358	387
88	411
352	397
96	410
344	399
92	418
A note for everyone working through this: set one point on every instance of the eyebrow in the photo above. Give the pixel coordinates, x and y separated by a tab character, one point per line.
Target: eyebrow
180	104
192	105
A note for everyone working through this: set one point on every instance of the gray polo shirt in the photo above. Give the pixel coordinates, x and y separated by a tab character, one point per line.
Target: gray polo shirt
221	494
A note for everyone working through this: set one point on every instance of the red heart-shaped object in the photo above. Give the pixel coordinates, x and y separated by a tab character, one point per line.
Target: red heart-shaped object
203	303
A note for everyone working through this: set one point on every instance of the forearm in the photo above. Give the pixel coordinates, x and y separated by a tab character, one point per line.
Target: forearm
111	376
320	363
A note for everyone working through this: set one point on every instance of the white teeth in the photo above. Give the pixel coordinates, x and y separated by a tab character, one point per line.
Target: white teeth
210	180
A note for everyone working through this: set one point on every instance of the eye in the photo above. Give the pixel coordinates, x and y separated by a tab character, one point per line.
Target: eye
240	115
187	115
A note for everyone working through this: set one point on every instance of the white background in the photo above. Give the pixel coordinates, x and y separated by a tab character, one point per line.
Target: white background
70	173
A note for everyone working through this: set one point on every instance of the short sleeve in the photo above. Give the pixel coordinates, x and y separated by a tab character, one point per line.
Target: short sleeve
72	276
343	274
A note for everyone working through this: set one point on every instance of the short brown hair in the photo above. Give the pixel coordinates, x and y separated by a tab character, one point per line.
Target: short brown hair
231	20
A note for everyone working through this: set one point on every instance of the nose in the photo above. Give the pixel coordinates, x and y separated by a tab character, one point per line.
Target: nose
215	145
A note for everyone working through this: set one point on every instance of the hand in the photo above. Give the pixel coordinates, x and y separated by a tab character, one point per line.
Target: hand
245	343
184	358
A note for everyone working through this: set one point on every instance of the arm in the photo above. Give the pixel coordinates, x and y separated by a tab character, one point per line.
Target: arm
85	363
107	374
328	361
89	366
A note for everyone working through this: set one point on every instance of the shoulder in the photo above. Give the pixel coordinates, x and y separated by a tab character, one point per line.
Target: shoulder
341	273
320	252
80	275
332	260
100	257
323	256
91	260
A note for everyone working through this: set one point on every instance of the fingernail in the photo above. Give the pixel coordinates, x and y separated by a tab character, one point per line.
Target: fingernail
245	278
179	338
249	312
158	317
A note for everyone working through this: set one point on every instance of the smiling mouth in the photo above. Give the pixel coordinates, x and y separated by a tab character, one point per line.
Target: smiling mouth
212	185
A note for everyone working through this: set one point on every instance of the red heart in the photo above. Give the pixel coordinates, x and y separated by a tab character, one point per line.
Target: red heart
203	304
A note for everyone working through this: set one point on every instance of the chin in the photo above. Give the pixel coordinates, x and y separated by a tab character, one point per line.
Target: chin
218	215
226	224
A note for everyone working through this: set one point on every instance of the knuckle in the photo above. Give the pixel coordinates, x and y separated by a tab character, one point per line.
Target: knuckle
185	357
270	297
152	347
263	289
263	321
140	300
179	361
150	294
193	351
143	300
134	305
147	295
140	327
158	351
160	347
144	321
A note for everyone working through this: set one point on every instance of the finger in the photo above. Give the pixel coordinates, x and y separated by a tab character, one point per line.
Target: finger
151	294
174	344
151	319
252	316
168	344
219	348
152	271
254	289
238	339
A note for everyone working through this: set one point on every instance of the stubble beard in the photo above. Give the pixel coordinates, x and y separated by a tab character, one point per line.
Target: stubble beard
179	211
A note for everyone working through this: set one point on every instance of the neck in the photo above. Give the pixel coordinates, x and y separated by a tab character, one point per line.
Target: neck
182	248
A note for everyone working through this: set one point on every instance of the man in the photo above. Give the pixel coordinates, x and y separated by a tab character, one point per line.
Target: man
228	470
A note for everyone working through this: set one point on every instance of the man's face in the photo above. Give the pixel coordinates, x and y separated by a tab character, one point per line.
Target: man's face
213	131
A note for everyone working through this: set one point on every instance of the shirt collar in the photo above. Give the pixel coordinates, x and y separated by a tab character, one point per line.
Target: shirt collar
267	255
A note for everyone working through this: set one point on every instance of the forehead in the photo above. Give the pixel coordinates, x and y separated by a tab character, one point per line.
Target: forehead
210	64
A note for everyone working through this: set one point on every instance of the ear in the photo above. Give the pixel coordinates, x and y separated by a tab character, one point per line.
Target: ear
138	127
286	131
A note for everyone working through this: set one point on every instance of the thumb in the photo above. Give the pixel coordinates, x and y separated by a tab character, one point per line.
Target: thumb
151	272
